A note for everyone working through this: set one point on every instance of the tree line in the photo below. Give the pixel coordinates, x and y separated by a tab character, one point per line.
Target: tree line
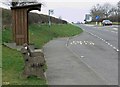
106	11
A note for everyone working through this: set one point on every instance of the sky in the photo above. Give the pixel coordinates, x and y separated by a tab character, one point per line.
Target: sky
69	10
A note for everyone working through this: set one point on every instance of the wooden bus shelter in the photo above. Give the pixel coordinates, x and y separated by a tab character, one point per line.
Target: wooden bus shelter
20	22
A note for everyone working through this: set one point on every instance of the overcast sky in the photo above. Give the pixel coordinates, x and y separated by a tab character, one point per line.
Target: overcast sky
70	10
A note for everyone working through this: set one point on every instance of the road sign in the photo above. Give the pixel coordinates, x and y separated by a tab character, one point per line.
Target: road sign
97	17
51	11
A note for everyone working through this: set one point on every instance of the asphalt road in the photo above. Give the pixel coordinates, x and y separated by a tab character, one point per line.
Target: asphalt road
64	68
97	47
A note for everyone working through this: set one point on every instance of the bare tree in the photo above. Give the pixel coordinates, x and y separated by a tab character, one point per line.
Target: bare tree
114	11
118	5
97	11
107	9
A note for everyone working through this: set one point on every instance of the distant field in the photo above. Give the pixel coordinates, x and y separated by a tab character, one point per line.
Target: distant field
39	35
114	23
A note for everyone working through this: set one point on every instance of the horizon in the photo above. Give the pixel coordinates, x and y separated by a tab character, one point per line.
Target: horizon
71	11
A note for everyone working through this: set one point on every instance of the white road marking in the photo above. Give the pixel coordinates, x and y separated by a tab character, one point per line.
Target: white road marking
81	43
108	43
90	43
115	28
93	43
117	50
114	47
111	45
103	39
89	25
81	56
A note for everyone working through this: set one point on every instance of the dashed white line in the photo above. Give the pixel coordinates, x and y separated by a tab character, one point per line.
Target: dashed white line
117	50
81	56
108	43
104	40
115	28
111	45
86	42
114	47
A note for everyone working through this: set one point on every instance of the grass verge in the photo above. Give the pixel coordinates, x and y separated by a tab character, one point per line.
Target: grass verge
114	23
12	69
39	35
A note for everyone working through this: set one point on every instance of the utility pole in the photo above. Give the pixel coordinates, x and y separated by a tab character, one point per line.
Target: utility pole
50	11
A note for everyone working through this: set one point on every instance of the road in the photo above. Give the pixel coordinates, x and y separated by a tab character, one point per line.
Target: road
97	47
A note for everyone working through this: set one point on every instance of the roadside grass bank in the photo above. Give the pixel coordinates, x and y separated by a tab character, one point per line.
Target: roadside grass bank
41	34
116	23
12	61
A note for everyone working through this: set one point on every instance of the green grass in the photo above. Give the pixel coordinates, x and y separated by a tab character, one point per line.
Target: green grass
13	67
39	35
7	35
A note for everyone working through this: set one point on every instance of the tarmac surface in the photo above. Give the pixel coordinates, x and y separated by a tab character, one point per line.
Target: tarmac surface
65	68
